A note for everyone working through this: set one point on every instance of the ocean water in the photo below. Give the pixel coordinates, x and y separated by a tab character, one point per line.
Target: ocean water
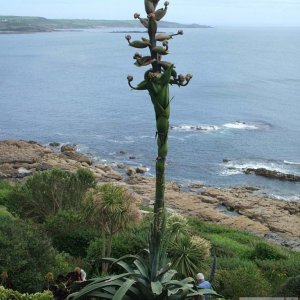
243	103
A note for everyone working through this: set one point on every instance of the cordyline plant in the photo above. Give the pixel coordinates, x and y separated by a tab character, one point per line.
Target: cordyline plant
149	279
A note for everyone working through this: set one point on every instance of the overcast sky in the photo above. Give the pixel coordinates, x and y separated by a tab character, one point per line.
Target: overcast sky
208	12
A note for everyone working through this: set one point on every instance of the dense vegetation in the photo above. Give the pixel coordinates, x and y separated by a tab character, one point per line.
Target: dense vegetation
58	240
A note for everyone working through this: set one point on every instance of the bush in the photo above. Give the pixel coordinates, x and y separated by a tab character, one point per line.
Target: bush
26	254
45	193
266	251
70	233
6	294
4	213
245	281
5	191
130	241
224	246
291	287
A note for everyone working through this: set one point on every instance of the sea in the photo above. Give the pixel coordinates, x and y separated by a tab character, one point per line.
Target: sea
241	109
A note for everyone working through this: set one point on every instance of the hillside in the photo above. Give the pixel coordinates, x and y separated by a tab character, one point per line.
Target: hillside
20	24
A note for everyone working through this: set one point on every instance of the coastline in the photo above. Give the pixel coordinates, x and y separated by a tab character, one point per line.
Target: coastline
239	207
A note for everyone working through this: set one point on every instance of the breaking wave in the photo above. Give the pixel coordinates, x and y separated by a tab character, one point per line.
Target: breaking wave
237	125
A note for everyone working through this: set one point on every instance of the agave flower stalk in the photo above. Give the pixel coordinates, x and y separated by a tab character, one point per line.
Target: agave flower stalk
156	81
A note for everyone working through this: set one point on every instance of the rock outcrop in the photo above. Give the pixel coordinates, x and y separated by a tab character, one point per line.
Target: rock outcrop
272	174
242	208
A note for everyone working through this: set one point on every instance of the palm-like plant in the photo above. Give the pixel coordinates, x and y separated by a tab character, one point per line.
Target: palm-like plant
111	208
189	254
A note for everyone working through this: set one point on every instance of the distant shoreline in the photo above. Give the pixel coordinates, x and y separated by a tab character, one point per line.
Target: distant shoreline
20	24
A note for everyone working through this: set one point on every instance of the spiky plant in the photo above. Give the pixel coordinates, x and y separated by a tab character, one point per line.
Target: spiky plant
189	254
156	81
111	208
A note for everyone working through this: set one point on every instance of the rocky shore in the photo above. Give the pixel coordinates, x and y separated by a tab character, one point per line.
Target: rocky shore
242	208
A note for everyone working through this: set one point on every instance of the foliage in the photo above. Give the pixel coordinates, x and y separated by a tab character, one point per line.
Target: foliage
137	284
264	251
70	233
45	193
5	191
130	241
63	263
189	255
111	208
4	213
7	294
291	287
244	281
25	249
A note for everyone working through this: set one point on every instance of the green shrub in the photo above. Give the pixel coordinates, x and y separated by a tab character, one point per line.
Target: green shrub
26	254
6	294
291	287
245	281
224	246
5	191
45	193
232	263
70	233
263	251
4	213
63	264
130	241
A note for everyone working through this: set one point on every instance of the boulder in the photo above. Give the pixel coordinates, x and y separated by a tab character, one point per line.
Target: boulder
272	174
130	171
141	170
68	148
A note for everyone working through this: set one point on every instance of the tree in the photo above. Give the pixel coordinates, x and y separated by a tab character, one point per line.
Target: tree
111	208
26	254
45	193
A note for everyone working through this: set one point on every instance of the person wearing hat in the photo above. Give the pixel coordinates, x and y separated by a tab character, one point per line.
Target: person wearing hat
202	283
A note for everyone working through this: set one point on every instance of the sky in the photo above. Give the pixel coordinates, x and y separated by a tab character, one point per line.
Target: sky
206	12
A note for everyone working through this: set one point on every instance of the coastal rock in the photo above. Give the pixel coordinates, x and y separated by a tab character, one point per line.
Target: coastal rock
130	171
141	170
272	174
242	207
68	148
77	156
54	144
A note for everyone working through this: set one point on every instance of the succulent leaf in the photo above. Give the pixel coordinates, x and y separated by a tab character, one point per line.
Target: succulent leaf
138	44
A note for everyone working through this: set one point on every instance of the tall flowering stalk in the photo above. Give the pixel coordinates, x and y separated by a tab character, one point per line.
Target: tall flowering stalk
156	81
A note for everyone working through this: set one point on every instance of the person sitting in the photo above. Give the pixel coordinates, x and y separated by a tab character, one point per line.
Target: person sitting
202	283
81	275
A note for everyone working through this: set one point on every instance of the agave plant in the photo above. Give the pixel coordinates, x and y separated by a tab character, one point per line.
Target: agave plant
156	81
136	284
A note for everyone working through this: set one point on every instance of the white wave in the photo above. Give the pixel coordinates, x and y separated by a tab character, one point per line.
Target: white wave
270	165
126	141
240	125
286	198
291	162
237	125
186	127
230	172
